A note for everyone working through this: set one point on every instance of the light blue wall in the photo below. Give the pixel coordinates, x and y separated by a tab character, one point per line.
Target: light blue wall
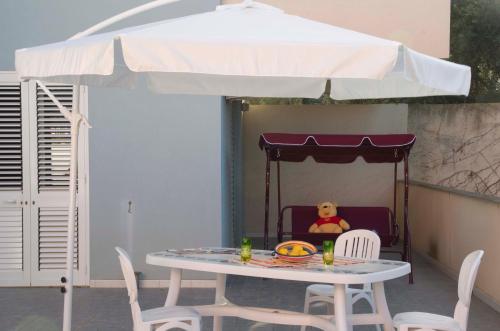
162	152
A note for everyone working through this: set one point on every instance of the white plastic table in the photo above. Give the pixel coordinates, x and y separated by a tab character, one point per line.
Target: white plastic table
226	261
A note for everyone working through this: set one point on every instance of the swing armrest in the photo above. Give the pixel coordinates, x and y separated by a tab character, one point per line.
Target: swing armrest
280	222
395	229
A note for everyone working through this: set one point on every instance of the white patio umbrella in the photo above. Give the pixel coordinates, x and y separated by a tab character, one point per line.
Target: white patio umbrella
247	49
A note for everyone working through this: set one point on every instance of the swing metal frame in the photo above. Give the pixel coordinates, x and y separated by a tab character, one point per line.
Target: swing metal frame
280	147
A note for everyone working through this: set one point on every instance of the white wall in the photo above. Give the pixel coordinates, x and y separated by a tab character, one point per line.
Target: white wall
446	226
161	152
455	193
423	25
357	184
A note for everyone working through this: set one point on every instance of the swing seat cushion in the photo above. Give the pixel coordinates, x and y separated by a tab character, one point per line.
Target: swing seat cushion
378	219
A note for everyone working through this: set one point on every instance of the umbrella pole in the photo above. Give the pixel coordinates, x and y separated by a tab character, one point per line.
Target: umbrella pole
75	118
407	233
73	177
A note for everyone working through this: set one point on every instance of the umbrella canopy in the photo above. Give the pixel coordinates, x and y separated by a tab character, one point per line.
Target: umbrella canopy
247	49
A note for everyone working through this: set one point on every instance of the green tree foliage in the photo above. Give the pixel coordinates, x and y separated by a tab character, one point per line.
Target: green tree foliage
474	41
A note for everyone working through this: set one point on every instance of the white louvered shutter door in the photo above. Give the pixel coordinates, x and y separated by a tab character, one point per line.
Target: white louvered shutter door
50	150
14	182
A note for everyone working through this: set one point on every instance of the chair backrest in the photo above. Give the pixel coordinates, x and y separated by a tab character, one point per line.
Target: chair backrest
131	283
362	244
128	273
466	280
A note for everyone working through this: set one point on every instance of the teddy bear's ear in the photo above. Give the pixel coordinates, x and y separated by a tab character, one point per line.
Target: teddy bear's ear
319	205
335	204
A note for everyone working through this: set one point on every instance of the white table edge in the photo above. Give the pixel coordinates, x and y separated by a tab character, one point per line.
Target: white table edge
278	273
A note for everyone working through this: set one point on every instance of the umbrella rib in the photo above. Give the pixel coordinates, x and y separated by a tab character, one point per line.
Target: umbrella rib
121	16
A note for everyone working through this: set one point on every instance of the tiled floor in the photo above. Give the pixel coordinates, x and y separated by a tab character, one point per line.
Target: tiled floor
40	309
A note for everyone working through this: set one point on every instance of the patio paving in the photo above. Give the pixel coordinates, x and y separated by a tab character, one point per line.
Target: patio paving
40	309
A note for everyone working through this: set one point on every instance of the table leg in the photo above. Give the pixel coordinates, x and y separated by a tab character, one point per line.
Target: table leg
174	287
340	308
381	305
220	292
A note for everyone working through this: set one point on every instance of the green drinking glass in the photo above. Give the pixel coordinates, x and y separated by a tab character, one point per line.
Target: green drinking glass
328	252
246	250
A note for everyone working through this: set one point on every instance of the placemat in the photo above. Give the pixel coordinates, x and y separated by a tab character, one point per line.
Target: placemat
314	262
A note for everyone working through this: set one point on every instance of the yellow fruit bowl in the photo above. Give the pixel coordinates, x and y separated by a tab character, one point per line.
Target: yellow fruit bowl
295	251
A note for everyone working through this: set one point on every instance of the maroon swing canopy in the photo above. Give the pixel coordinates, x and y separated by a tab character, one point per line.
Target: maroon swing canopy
334	148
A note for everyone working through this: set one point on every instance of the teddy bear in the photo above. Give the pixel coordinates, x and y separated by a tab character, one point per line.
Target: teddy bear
328	221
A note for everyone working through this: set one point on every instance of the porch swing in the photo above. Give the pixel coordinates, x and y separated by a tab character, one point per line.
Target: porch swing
340	149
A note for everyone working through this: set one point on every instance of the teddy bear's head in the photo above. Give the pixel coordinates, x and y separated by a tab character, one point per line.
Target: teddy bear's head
327	209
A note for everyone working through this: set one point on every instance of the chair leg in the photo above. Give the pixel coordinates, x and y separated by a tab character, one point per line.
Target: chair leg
330	308
144	327
348	303
368	296
186	325
195	325
349	309
371	302
307	304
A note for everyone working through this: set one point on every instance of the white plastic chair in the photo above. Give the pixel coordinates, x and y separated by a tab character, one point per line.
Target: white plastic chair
157	319
430	322
362	244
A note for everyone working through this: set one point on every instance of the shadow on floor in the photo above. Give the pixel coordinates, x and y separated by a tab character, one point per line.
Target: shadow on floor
40	309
